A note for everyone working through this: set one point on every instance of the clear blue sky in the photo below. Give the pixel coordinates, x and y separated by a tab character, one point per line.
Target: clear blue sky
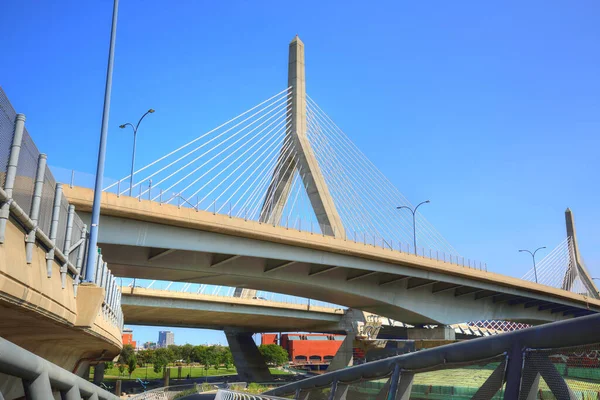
490	110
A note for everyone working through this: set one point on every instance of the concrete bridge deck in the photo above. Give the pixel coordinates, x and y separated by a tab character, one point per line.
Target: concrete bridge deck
144	239
169	308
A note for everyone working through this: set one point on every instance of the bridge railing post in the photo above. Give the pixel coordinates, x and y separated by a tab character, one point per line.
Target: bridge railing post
54	228
34	213
67	245
11	172
80	255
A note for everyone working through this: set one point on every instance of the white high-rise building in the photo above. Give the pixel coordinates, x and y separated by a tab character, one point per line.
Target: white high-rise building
166	338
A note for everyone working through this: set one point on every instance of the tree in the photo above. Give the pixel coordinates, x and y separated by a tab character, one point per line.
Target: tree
226	357
161	358
121	369
131	364
109	365
126	353
274	354
185	352
176	351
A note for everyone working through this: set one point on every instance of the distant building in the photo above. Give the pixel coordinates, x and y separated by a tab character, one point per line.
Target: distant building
166	338
150	345
305	348
128	338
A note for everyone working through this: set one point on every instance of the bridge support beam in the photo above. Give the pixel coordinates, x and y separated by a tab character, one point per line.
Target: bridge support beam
439	333
250	364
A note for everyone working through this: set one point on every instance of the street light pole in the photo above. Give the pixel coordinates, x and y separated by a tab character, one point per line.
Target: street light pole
93	242
414	212
135	129
533	257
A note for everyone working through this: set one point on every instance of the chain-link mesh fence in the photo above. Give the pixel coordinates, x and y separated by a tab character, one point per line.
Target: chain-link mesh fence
360	390
480	380
26	170
7	124
25	179
572	373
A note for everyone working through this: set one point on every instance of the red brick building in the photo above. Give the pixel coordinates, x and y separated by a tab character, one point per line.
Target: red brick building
307	348
128	338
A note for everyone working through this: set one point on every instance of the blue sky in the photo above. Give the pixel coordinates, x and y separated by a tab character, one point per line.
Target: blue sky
490	110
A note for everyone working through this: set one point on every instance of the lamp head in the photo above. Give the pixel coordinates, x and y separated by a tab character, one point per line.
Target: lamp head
427	201
151	110
520	251
122	126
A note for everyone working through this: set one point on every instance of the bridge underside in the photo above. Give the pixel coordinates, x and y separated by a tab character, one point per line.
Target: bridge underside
138	249
159	307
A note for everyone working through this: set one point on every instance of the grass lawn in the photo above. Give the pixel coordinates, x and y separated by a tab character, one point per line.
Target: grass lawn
194	371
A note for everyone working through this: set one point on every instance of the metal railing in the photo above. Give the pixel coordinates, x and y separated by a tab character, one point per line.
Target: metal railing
31	196
225	394
42	378
514	365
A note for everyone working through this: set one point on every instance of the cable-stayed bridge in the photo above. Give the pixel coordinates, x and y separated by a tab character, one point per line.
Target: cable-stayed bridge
279	199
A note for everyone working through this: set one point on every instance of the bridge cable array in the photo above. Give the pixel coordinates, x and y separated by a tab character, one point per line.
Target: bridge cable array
237	168
558	269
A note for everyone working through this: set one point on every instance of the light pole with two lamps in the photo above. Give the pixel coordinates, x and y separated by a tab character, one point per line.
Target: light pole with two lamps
533	257
414	212
135	129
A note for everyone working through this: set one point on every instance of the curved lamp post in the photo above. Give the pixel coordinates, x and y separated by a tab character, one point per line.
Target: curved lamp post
414	212
135	129
533	257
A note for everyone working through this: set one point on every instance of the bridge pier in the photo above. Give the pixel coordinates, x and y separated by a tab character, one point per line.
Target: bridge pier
250	364
99	373
344	356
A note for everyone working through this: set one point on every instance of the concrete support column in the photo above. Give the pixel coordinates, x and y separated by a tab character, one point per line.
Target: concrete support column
344	356
118	389
39	388
11	172
99	373
250	364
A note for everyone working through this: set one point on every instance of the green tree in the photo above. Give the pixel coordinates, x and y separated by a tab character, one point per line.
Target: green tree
131	364
121	369
226	357
274	354
126	353
161	358
185	352
109	365
176	351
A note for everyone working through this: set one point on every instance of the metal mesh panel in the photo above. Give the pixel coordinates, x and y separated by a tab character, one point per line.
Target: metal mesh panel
61	233
483	381
26	169
47	202
7	127
561	374
361	390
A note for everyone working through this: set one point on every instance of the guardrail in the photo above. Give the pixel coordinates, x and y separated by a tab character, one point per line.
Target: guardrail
224	394
32	197
41	378
552	360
